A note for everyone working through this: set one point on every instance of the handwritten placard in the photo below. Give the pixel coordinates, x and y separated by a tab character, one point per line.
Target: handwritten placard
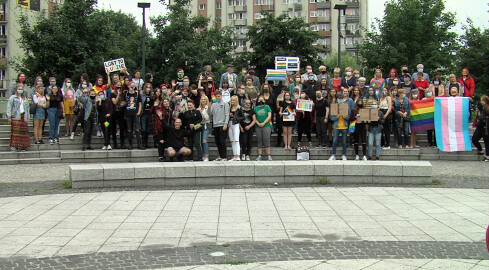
288	115
339	109
288	63
304	105
368	115
114	65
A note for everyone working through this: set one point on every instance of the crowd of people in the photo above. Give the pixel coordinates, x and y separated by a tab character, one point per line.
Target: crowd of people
181	115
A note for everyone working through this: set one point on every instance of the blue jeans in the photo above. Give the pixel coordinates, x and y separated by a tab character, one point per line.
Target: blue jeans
403	128
205	139
336	133
145	122
53	123
374	134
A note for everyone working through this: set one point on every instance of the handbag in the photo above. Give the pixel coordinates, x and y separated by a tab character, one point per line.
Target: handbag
59	112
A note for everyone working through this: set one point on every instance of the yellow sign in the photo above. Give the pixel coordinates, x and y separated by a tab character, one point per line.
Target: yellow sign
24	4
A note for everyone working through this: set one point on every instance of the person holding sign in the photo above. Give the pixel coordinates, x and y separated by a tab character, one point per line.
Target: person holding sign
117	117
304	121
133	111
360	132
287	112
322	112
375	132
340	123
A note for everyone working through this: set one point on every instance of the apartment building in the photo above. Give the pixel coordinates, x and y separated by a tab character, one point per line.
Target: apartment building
319	13
10	11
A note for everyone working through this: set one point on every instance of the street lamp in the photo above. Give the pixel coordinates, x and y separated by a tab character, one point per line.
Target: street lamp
144	5
340	7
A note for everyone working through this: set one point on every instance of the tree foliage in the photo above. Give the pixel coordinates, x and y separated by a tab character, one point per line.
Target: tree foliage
272	36
347	60
188	42
77	38
411	32
474	54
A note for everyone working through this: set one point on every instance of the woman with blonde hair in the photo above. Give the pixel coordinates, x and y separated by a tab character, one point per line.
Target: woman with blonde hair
235	117
39	113
68	106
206	126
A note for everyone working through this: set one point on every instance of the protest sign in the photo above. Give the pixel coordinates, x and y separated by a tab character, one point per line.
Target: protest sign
368	115
114	65
288	63
288	116
339	109
304	105
276	75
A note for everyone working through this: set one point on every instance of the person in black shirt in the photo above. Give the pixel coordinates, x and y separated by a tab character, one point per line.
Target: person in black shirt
175	138
104	109
246	127
147	102
191	119
322	110
133	111
117	117
310	86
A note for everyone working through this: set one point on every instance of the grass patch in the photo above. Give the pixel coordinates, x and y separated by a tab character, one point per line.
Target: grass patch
65	184
324	181
436	182
226	245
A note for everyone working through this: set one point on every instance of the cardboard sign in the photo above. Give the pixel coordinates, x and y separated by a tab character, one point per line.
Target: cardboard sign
288	63
304	105
339	109
276	75
287	115
368	115
114	65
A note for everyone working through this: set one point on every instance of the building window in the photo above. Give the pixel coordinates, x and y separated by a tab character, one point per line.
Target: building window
202	7
313	1
323	27
240	30
352	11
231	17
236	3
324	13
314	27
263	2
240	16
288	1
313	13
258	16
218	5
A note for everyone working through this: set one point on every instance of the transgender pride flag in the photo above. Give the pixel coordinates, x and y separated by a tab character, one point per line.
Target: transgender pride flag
452	124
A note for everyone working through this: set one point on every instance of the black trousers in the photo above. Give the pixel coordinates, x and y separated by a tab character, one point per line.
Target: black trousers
161	146
87	131
304	125
246	139
386	131
481	132
220	137
118	118
360	134
79	119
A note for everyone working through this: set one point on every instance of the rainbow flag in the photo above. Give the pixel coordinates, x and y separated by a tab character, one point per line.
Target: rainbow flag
289	110
276	75
422	115
382	82
213	97
351	127
452	124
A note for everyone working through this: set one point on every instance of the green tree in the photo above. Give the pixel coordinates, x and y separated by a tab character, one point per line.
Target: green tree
347	60
411	32
272	36
77	38
188	42
474	54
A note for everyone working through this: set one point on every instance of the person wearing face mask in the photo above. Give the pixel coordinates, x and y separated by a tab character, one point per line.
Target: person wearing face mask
104	110
324	75
55	113
278	118
375	133
147	103
414	135
235	117
360	133
436	86
402	110
88	99
321	106
229	76
206	123
207	87
68	107
296	84
18	117
468	86
84	77
336	81
276	87
430	133
247	129
392	75
263	127
99	86
407	84
39	113
219	113
241	94
256	80
287	105
420	68
421	84
194	94
482	127
133	110
191	120
252	92
356	75
52	82
162	107
270	100
385	106
117	117
178	83
21	79
332	95
304	122
226	92
310	86
348	81
305	75
340	124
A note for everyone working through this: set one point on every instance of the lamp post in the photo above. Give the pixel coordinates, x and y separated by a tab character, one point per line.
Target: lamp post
144	5
340	7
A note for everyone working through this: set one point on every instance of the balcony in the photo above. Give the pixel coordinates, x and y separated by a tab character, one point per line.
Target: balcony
3	18
352	18
295	6
323	5
324	33
239	36
267	7
324	19
353	3
241	22
3	39
351	47
240	9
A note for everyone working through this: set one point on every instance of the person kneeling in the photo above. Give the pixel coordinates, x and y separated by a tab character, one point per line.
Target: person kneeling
175	138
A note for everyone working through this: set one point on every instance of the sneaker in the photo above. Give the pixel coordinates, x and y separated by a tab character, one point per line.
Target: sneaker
51	142
104	148
364	158
386	147
41	141
56	140
325	146
13	149
243	157
37	142
258	158
109	147
318	146
83	149
357	158
377	158
72	136
90	148
270	158
248	158
332	158
218	159
238	159
224	159
310	145
343	157
233	159
206	159
99	134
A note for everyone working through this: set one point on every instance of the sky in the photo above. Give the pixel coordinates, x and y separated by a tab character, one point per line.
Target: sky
477	10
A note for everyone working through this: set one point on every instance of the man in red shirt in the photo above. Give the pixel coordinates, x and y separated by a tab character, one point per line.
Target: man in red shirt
421	84
468	86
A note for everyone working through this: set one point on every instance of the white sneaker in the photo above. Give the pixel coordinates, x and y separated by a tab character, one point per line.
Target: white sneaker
270	158
238	159
243	157
218	159
343	157
233	159
109	147
104	148
72	136
258	158
386	147
206	159
332	158
51	142
357	158
364	158
99	134
248	158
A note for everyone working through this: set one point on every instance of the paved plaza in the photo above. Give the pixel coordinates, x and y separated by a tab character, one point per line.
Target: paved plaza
247	228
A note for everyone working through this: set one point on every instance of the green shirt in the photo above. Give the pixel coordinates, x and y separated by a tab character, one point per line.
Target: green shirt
262	114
